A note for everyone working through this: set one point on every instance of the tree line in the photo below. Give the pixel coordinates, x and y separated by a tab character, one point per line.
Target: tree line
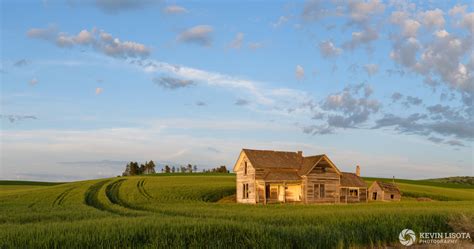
192	169
133	168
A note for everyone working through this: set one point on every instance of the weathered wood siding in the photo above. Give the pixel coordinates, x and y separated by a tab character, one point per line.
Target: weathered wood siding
363	195
323	173
242	178
387	196
382	195
375	188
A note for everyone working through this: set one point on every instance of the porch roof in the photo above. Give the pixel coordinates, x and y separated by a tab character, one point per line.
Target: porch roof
282	176
352	180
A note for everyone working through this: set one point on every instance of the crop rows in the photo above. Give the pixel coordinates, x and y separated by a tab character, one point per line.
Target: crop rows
183	211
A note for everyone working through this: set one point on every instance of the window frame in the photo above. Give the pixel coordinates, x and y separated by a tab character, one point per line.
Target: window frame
245	191
321	188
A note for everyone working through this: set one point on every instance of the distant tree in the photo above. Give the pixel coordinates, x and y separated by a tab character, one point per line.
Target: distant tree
167	169
141	169
195	168
162	170
173	169
134	169
182	169
189	168
222	169
151	166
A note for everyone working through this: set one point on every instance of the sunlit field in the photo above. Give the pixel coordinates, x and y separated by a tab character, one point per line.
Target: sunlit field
197	211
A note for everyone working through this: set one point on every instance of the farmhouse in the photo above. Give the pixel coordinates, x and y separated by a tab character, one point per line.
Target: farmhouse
265	176
384	191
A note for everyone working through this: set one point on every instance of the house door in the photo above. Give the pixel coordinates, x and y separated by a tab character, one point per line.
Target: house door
267	191
374	196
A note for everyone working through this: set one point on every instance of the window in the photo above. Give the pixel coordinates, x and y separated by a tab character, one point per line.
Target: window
319	191
391	196
353	192
245	192
245	168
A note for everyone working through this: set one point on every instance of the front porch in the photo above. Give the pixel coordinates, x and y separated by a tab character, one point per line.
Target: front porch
279	192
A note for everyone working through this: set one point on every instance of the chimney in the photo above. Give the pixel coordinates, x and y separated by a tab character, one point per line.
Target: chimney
358	170
300	153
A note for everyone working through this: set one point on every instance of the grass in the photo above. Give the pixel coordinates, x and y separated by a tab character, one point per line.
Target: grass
195	210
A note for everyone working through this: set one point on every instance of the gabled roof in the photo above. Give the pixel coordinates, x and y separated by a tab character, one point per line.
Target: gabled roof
274	159
352	180
388	187
308	163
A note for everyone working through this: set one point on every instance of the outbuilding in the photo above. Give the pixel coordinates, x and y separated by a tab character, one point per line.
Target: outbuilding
384	191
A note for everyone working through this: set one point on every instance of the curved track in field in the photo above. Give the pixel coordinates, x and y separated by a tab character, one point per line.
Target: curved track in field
142	190
60	199
91	196
112	189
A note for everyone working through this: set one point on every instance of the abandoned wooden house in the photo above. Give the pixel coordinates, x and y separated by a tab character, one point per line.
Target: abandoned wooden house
265	176
384	191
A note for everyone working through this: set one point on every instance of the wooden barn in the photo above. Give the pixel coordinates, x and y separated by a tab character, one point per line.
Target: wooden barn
265	176
384	191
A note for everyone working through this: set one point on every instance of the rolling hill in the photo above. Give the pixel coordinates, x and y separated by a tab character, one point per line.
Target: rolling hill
169	210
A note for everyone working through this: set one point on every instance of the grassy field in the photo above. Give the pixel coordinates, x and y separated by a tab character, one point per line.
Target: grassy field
181	211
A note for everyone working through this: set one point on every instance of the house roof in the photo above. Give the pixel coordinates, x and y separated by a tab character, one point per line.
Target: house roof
274	159
279	175
388	187
352	180
308	163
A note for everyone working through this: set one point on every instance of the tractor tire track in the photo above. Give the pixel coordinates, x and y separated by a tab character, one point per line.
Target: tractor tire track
142	190
112	193
91	196
59	200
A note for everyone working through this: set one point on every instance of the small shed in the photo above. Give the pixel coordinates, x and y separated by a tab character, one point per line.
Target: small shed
384	191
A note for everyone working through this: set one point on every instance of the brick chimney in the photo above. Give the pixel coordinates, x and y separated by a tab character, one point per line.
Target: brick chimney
358	170
300	153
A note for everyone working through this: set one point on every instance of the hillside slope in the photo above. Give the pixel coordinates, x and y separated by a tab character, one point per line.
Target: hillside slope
181	211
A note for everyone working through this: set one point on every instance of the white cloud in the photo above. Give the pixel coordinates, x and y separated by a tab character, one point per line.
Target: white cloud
238	40
98	90
328	49
362	11
282	20
371	69
200	35
410	28
458	10
362	38
299	72
46	33
98	39
433	18
175	9
468	22
115	6
265	96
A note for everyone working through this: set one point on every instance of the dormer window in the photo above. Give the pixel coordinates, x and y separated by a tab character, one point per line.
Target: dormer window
245	168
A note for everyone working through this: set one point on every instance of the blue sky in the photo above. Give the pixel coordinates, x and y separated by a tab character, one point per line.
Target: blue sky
88	86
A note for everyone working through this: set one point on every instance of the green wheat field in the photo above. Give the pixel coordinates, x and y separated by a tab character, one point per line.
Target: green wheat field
197	210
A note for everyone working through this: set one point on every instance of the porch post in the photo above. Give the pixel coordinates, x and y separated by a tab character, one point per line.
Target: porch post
255	187
284	192
265	193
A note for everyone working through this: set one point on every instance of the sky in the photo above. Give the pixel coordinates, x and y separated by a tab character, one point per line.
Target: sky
87	86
